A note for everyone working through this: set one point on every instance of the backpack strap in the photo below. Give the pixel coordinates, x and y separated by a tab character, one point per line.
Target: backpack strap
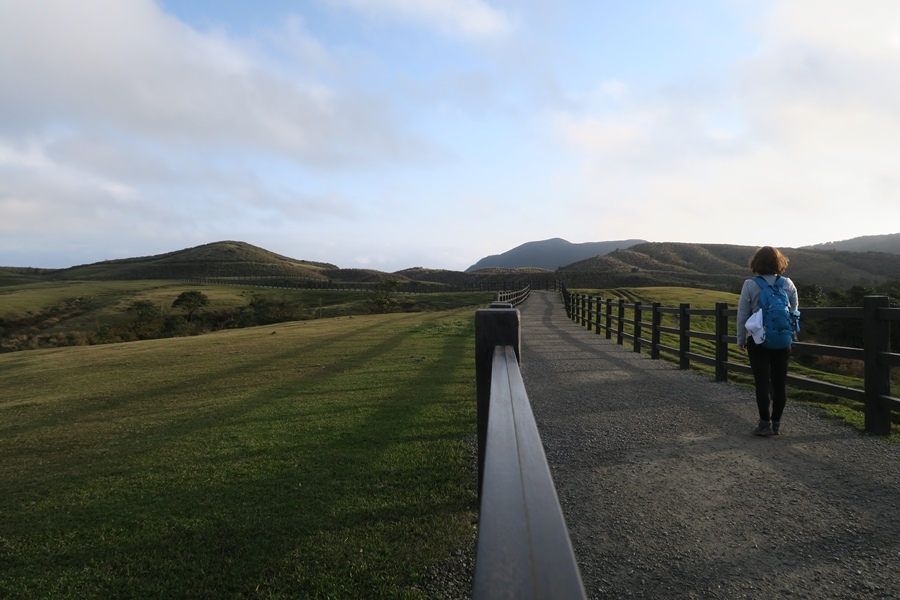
761	282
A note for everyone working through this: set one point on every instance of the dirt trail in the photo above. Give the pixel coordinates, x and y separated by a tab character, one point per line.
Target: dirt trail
667	495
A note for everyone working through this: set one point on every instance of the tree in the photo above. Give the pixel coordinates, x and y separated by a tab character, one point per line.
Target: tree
145	310
190	302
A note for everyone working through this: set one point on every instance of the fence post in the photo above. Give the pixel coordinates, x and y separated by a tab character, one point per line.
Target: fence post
599	316
493	327
655	332
620	326
637	327
609	318
590	311
684	340
721	341
876	339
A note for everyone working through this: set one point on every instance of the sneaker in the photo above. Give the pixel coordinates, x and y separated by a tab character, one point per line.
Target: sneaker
764	428
776	425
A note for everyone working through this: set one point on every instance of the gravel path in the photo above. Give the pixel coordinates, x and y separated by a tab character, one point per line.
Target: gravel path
667	494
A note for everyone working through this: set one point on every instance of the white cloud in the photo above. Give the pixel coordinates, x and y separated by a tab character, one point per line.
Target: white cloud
127	65
865	28
780	144
468	18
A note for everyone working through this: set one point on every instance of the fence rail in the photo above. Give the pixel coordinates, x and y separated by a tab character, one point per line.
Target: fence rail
875	317
514	298
412	287
523	548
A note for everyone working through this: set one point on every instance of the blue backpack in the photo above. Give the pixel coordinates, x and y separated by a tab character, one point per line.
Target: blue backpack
777	318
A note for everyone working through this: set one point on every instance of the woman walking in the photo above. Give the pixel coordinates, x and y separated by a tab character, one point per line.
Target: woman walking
769	364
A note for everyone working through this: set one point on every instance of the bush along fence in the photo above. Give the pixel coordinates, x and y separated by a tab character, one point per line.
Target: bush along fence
523	548
643	328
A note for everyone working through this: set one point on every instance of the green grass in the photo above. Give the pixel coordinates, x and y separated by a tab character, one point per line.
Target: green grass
313	459
66	313
848	411
104	303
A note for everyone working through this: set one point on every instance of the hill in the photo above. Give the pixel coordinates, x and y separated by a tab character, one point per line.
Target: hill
233	259
549	254
889	243
724	266
483	277
218	259
623	263
21	275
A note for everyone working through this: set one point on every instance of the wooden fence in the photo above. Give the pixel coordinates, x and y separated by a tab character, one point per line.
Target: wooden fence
412	287
513	298
608	316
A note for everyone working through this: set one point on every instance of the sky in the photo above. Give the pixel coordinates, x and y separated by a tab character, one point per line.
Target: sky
389	134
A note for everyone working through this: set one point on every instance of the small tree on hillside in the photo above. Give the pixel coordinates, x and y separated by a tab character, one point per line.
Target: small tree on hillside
145	310
191	302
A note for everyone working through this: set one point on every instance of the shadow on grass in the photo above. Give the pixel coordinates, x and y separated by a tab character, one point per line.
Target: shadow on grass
259	495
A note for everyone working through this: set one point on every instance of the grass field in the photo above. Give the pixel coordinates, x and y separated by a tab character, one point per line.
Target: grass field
105	303
313	459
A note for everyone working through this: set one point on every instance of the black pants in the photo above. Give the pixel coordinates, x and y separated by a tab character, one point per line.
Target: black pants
769	374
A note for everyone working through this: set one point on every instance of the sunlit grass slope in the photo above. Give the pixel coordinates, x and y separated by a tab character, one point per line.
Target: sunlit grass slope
325	458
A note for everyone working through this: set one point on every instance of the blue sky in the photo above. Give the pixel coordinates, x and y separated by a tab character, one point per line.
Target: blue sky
389	134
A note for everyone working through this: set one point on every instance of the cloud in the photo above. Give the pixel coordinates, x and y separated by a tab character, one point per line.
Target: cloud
129	67
118	121
793	134
473	19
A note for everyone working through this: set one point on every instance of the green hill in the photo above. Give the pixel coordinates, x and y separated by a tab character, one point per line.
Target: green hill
712	266
724	266
218	259
868	243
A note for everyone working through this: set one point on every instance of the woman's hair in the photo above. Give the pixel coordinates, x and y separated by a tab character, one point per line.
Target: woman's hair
768	261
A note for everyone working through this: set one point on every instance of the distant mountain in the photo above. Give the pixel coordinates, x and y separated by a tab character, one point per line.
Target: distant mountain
624	263
724	266
868	243
549	254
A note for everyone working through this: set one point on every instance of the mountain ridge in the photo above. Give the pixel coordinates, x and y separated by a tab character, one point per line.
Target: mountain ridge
623	264
725	266
549	254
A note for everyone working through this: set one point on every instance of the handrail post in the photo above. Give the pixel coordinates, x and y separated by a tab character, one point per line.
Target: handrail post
493	327
721	341
876	339
655	332
684	339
